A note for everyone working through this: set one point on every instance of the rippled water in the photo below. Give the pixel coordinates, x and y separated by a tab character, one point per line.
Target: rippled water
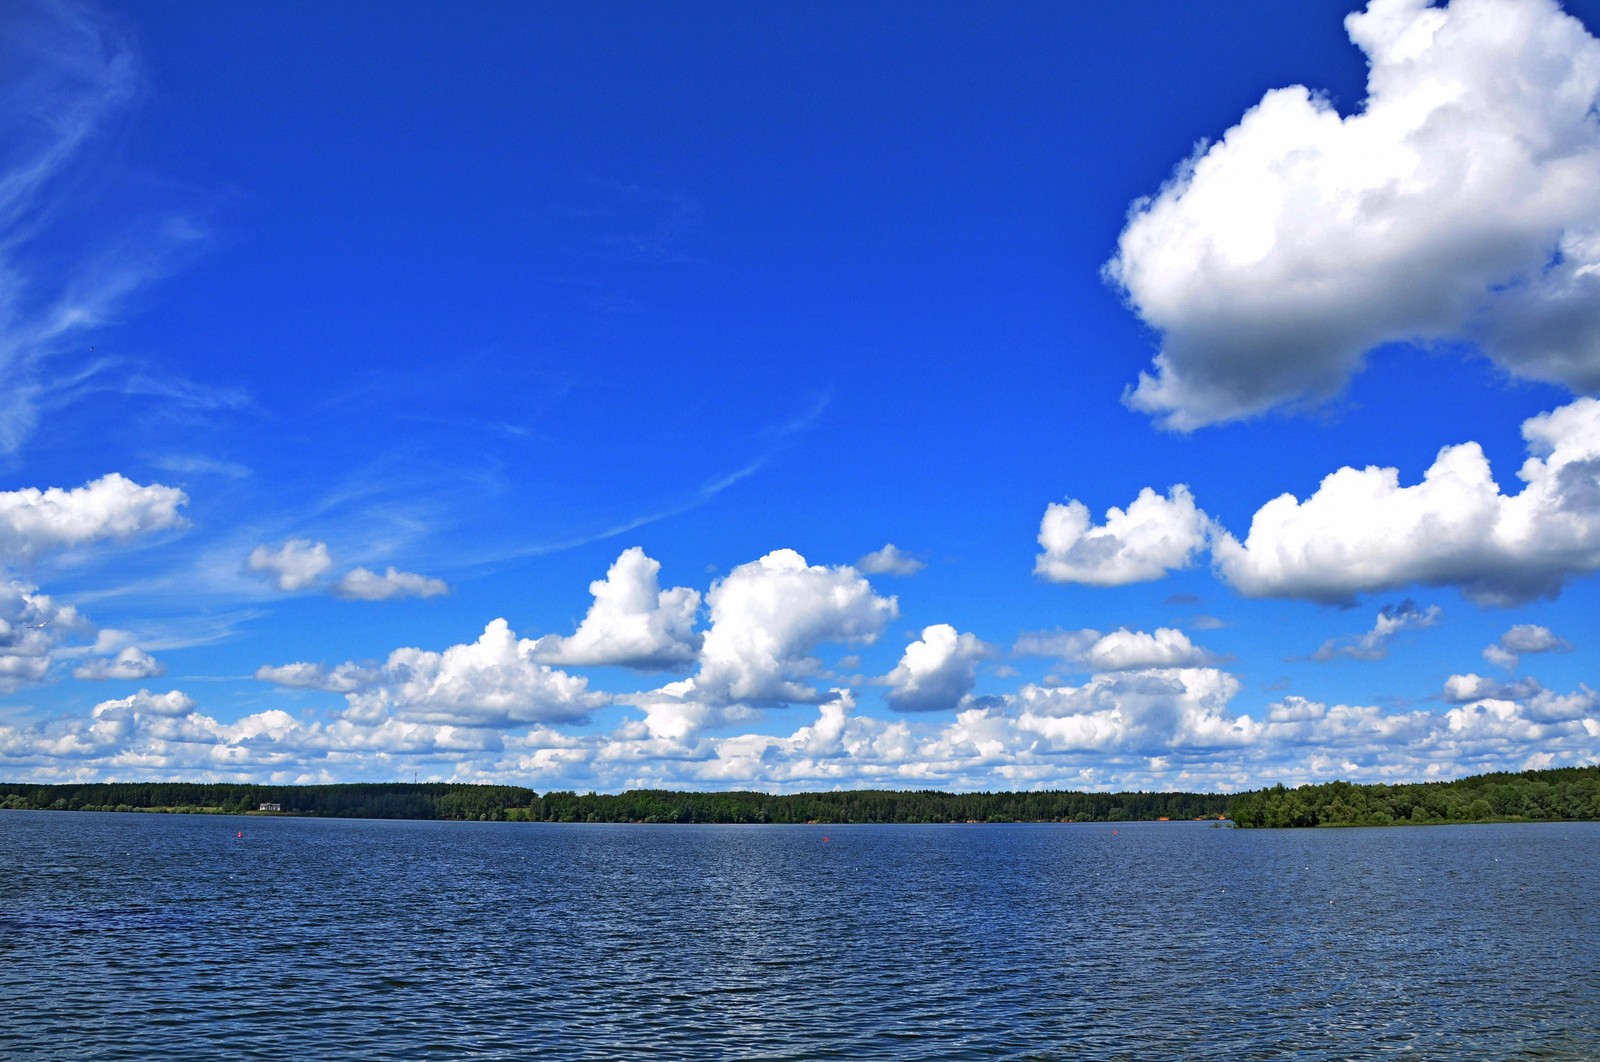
141	936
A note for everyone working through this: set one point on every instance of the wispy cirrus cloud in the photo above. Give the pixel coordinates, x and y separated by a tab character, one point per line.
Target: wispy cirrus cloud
68	77
1374	644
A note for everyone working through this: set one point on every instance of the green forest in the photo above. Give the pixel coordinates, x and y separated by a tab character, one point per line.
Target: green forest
512	804
1563	794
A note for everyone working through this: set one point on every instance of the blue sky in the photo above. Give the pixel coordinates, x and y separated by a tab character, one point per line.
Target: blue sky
1149	395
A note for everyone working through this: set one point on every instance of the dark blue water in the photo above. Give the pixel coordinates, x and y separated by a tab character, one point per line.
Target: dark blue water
153	936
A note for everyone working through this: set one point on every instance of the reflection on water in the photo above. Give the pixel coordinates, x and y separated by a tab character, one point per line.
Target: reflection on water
137	936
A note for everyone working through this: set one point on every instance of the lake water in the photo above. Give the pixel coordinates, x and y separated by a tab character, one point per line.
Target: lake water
155	936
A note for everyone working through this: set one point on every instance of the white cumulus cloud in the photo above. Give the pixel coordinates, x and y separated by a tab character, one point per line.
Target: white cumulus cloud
1125	650
1465	689
1362	531
1522	640
361	584
890	560
1461	200
1151	712
494	681
173	703
345	678
34	521
295	565
937	671
1120	650
1153	536
130	663
32	628
632	623
767	618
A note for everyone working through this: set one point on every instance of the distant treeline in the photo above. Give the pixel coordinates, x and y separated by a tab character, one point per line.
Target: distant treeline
1567	793
512	804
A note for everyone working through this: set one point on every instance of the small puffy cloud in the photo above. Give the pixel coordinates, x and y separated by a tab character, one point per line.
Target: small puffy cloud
1581	706
295	565
1523	702
937	671
114	507
890	560
345	678
1153	536
1374	645
130	663
1528	638
1461	200
32	628
632	623
1125	650
768	616
1362	531
172	704
495	681
1465	689
1522	640
1121	650
360	584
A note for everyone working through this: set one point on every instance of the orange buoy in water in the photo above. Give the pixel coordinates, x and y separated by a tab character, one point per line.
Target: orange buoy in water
241	833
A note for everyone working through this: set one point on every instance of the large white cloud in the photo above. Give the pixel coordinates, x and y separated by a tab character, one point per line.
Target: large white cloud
1151	712
767	618
1153	536
1362	531
294	565
1462	199
937	671
632	623
494	681
34	521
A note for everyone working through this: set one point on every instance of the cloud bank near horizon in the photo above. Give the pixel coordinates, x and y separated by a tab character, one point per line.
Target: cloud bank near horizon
1362	532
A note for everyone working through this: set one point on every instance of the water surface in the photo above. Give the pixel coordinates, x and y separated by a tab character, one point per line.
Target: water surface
138	936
